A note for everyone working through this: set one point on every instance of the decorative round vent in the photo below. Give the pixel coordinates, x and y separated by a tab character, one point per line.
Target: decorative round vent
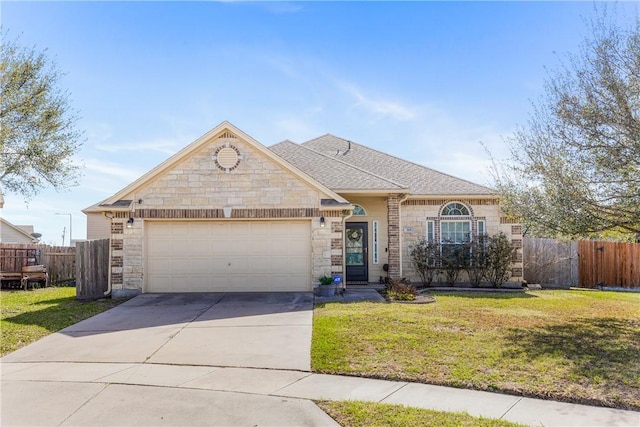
227	157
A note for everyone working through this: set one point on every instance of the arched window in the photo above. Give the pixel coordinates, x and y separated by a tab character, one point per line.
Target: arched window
359	211
456	209
455	230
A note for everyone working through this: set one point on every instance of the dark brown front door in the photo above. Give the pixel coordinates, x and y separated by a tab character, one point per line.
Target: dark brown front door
356	252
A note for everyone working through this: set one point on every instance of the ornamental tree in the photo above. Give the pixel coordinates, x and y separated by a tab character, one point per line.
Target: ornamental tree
38	137
575	167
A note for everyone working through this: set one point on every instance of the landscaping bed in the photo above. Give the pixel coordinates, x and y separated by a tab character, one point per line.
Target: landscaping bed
27	316
566	345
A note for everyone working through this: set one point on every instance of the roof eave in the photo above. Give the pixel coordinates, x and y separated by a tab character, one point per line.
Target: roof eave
455	196
371	190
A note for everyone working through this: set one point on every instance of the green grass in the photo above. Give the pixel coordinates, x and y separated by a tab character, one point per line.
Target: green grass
567	345
369	414
27	316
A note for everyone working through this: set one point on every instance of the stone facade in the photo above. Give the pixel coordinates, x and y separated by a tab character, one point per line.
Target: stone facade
196	188
416	213
197	182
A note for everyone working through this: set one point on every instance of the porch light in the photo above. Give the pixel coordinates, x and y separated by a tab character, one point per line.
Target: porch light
130	223
321	221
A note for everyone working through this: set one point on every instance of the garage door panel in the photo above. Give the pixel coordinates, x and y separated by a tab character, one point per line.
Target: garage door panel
160	266
223	256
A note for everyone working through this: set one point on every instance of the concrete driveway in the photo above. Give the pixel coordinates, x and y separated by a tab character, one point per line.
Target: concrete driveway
251	330
140	363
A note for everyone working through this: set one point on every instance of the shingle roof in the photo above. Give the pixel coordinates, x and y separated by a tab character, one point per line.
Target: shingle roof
332	171
420	180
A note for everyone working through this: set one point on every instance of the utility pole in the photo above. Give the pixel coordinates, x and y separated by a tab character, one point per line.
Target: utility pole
64	229
70	227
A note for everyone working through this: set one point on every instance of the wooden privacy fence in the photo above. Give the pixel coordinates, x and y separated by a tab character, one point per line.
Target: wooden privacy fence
550	262
613	264
59	260
585	263
92	260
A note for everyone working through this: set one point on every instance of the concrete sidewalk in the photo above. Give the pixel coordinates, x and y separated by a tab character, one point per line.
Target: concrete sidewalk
63	393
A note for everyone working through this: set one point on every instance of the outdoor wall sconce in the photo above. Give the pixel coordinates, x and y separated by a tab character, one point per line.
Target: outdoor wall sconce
130	223
322	221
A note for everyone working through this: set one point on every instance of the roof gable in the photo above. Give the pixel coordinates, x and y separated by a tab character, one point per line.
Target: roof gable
17	230
223	130
421	180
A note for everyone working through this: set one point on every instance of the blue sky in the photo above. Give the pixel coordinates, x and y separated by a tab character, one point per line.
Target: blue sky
425	81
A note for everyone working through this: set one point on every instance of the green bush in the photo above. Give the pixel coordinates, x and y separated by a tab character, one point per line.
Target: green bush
326	280
425	258
499	255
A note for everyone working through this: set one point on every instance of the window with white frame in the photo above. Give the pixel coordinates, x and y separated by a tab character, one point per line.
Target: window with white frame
431	231
359	211
455	232
481	228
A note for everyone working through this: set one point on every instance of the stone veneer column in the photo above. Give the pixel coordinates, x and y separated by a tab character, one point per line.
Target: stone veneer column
116	261
337	245
393	232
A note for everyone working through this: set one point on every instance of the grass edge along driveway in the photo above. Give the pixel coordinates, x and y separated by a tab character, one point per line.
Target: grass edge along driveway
27	316
365	414
573	346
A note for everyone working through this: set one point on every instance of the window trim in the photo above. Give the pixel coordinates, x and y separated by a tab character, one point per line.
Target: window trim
364	211
449	215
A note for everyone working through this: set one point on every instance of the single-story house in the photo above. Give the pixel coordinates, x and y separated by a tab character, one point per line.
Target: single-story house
10	233
226	213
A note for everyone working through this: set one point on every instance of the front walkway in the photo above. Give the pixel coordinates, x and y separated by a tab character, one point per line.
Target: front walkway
151	394
353	294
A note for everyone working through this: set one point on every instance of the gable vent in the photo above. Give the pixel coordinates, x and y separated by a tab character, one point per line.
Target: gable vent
227	134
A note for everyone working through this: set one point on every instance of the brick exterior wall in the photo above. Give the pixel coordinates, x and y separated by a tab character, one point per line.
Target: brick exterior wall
393	234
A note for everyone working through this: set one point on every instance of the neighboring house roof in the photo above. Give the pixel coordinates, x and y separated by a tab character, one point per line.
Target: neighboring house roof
10	233
332	172
420	180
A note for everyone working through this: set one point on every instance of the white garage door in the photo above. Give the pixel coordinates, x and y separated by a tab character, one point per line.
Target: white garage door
228	256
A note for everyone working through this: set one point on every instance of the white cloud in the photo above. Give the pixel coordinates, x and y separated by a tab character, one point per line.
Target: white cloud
377	106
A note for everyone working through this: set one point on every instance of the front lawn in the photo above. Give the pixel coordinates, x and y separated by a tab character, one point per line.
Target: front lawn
27	316
575	346
367	414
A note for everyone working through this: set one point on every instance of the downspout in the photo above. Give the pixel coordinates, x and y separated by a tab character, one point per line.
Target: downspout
108	291
344	249
400	201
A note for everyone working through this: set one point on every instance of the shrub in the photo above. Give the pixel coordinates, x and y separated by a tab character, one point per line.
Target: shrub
424	258
477	266
400	290
499	254
454	258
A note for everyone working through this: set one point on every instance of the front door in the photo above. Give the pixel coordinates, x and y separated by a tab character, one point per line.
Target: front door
356	252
